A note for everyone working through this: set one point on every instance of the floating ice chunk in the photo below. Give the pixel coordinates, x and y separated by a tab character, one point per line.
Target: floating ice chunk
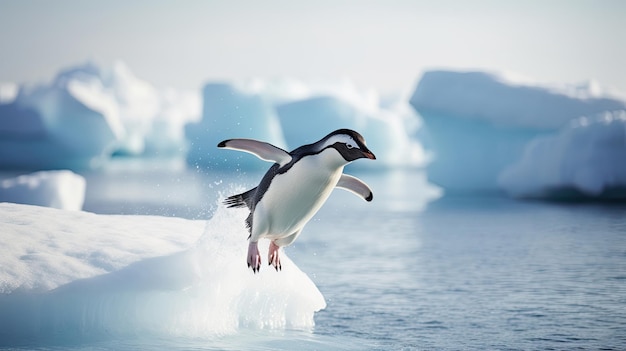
147	121
477	123
45	248
88	113
53	126
59	189
587	157
76	275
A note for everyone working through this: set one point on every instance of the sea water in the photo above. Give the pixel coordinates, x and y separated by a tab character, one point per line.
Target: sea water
408	271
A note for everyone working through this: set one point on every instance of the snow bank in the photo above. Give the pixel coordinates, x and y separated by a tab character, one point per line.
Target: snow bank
69	275
59	189
478	124
88	113
586	157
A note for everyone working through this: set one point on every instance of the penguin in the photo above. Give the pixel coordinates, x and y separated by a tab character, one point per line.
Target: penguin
295	187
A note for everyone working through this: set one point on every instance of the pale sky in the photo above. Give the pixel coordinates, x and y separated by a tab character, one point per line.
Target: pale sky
384	44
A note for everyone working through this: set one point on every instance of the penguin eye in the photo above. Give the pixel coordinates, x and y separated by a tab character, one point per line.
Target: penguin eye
350	146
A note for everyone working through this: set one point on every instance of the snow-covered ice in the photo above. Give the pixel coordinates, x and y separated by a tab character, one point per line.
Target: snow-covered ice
587	156
72	274
62	189
478	123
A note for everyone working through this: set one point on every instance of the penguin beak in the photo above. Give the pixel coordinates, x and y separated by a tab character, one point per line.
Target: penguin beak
367	153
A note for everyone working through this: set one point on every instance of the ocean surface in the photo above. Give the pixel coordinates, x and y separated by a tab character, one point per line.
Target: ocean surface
410	271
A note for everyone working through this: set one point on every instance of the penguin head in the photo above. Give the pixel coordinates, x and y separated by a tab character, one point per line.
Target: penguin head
350	144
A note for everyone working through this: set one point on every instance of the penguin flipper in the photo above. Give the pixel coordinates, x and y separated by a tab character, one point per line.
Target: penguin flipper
262	150
355	186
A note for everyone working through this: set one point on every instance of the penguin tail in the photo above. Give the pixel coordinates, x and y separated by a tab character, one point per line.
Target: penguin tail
240	200
234	201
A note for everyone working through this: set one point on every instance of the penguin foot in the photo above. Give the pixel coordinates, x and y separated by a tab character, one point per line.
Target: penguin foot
254	258
274	258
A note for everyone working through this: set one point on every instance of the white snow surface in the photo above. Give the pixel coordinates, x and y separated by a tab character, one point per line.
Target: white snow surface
480	124
72	274
62	189
588	155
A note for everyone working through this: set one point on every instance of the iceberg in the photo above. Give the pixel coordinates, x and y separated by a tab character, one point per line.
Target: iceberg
309	111
88	113
51	127
478	123
306	121
61	189
584	159
148	121
289	113
229	112
71	275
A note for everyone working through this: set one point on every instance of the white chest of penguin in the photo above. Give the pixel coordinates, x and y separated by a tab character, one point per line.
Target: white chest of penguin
295	196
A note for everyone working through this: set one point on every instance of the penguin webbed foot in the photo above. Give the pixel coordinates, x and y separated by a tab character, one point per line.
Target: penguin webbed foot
274	257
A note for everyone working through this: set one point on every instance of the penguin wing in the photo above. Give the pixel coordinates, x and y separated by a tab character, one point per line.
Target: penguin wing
356	186
264	151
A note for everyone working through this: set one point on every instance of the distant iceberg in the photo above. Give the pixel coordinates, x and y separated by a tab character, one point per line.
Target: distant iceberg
71	275
51	127
229	112
587	158
478	124
59	189
306	121
288	114
88	113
